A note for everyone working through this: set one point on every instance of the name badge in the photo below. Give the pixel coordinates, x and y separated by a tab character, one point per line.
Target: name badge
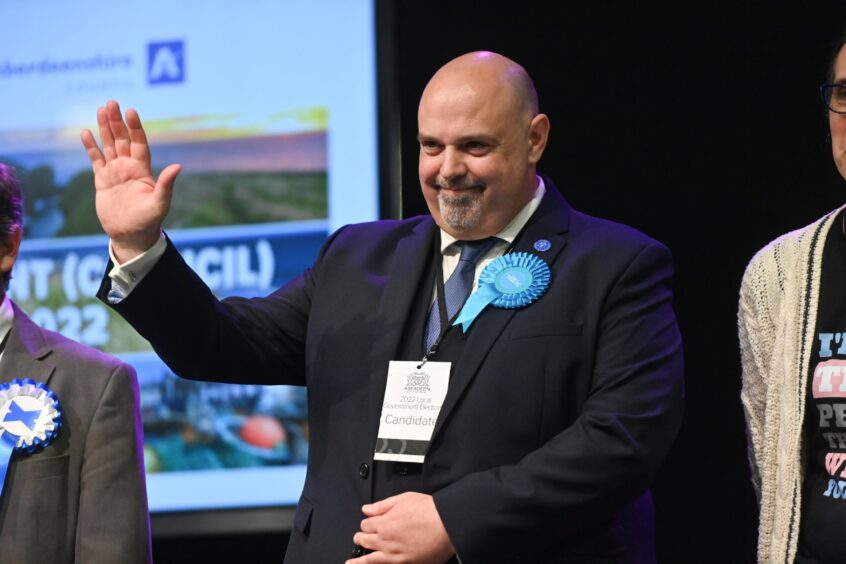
413	400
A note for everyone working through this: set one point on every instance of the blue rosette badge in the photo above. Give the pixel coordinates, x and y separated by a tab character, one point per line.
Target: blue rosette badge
30	417
511	281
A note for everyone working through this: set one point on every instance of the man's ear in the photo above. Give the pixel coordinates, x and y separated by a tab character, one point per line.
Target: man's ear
9	249
538	135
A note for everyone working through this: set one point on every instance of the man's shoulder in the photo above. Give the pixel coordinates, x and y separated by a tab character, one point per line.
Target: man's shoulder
62	351
66	349
603	231
379	235
387	227
593	230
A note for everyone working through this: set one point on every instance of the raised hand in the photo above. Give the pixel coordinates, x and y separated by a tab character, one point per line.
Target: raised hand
131	204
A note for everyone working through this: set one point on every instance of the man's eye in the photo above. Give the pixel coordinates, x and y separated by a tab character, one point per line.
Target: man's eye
476	147
839	92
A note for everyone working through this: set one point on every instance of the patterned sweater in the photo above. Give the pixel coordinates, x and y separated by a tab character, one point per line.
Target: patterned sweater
777	316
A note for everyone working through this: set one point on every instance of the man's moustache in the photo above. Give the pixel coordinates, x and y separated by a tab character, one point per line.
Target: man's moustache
462	186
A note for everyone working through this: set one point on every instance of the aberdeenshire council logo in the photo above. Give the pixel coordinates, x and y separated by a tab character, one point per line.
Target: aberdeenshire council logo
166	62
417	382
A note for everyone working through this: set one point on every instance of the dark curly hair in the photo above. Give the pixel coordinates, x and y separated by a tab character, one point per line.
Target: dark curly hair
11	211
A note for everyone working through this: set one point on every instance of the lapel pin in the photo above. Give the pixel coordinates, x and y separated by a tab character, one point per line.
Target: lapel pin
542	245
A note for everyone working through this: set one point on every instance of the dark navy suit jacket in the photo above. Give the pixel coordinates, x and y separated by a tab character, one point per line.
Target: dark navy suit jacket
557	417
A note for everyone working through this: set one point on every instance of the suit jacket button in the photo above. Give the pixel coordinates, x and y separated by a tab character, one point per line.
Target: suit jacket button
364	471
401	469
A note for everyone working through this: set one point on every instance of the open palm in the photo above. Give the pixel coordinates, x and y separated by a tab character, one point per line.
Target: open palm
131	204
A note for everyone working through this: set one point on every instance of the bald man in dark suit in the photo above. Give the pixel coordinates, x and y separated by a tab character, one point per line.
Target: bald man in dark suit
558	411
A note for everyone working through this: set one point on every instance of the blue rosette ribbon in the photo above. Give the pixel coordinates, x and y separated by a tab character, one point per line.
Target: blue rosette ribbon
509	282
30	417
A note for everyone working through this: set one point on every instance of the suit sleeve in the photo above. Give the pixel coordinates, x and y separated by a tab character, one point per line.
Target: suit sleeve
113	522
237	340
609	455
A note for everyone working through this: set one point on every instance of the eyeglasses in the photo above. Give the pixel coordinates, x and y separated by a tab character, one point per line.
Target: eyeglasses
834	97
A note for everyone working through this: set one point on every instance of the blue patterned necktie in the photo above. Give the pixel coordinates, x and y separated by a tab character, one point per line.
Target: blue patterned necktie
457	288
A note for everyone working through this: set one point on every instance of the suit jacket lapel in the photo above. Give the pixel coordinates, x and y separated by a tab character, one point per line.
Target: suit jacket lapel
408	264
26	348
551	221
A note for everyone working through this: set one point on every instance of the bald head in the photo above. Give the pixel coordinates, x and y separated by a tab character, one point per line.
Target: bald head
485	74
481	137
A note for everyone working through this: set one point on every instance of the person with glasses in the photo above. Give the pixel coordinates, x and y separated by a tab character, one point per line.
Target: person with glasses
792	333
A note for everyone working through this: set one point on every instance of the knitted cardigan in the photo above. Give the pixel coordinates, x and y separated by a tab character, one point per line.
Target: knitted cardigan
777	317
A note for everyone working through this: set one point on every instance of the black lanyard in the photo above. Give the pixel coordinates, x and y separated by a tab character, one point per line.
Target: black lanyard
440	299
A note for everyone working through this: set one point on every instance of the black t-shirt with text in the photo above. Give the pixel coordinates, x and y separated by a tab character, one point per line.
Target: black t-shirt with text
822	539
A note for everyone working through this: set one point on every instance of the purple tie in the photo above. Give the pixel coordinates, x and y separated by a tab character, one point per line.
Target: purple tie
457	288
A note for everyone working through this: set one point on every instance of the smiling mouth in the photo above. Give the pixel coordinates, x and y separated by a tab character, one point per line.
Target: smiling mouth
459	189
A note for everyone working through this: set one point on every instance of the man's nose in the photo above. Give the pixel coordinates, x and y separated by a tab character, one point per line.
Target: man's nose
452	165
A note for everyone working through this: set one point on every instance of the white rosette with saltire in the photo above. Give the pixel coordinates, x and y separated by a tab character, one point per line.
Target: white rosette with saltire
30	417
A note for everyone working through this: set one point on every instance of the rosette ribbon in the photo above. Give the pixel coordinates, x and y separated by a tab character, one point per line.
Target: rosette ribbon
511	281
30	417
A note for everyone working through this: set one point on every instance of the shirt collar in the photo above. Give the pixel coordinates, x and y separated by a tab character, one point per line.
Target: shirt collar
7	314
510	231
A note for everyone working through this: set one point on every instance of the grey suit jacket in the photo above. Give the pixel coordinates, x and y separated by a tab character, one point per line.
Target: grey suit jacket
82	498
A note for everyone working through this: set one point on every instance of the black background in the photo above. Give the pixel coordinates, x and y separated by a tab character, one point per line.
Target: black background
699	124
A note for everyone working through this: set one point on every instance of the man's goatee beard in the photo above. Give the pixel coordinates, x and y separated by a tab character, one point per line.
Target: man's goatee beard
461	212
